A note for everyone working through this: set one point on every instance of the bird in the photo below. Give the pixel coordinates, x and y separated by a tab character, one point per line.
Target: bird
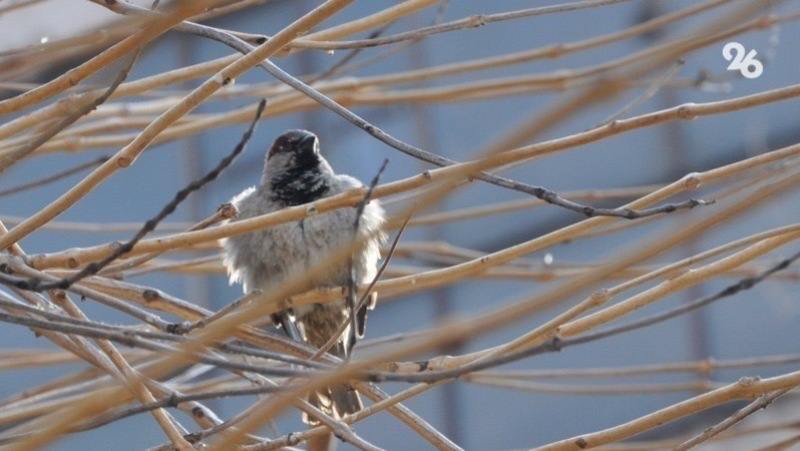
296	173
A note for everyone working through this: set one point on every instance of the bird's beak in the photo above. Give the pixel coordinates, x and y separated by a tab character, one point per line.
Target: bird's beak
308	140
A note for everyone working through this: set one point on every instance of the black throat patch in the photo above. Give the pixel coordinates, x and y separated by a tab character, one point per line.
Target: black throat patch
300	183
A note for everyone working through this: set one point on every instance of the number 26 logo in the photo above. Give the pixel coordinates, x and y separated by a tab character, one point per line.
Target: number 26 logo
741	60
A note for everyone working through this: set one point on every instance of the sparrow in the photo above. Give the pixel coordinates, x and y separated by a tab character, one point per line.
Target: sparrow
296	173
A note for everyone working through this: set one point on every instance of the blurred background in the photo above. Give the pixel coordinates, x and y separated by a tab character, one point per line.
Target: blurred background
759	322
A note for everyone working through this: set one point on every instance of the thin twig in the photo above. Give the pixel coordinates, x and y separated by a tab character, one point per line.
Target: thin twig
336	67
225	211
473	21
352	290
362	302
651	90
697	366
54	177
343	66
762	402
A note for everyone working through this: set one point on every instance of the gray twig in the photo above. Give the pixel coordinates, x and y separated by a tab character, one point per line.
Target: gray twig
352	291
762	402
363	300
54	177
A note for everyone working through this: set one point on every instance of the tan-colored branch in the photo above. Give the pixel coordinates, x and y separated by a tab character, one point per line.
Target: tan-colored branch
746	388
74	258
372	21
551	51
72	77
686	279
130	378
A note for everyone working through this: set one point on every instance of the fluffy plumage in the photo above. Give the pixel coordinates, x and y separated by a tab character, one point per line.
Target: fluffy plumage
295	173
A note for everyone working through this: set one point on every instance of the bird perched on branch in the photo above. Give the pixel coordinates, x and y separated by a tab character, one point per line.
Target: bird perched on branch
295	173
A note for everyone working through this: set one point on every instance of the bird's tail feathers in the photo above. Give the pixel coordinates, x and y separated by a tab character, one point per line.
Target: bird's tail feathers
335	401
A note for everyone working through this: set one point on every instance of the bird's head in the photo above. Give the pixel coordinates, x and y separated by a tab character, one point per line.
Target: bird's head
293	143
294	163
